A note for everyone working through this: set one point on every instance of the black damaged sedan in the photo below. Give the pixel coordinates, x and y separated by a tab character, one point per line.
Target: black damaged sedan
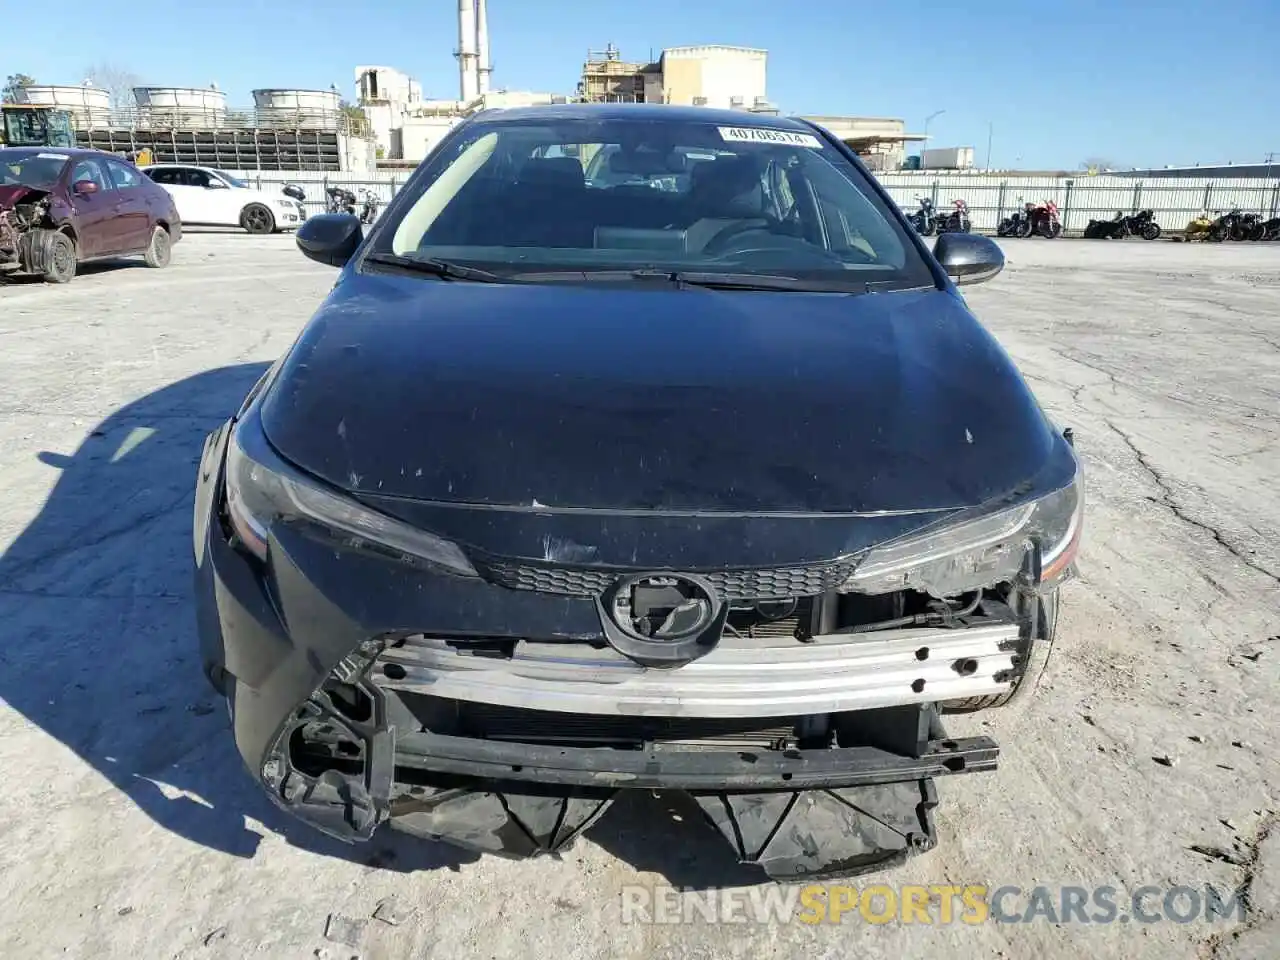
636	447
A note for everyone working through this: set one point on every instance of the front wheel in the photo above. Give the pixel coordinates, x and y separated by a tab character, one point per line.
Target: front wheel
1024	229
160	248
59	258
1151	231
1051	229
257	219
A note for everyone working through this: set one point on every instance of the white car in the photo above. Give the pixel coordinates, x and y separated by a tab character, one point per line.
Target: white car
208	197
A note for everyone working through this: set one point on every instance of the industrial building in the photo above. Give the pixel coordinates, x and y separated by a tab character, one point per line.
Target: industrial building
879	141
406	125
731	78
285	129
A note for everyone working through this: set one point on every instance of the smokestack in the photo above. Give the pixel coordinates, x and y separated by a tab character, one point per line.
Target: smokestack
468	72
482	44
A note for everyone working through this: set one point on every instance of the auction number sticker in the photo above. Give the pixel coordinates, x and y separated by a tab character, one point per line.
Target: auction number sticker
763	135
53	156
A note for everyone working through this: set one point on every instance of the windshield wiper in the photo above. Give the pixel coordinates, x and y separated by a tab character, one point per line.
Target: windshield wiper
705	280
444	269
748	281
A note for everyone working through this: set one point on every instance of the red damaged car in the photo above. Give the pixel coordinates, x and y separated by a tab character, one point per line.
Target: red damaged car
60	208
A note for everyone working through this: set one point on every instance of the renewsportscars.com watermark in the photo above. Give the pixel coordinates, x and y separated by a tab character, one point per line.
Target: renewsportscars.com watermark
825	903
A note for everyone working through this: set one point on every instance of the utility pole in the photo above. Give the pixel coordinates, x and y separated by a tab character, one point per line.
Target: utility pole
990	128
927	121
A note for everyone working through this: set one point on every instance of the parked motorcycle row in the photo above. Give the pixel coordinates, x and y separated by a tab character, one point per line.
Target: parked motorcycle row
928	221
1141	224
1033	220
1233	225
342	200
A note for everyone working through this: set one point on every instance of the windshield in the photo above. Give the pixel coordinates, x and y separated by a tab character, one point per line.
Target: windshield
590	195
39	169
234	181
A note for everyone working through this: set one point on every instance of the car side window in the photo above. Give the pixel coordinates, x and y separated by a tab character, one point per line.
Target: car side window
90	170
171	177
123	176
197	178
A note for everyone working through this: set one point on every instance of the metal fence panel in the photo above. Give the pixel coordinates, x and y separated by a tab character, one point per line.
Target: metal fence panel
989	196
383	184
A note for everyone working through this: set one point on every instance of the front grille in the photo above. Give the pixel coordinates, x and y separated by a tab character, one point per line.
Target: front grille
758	584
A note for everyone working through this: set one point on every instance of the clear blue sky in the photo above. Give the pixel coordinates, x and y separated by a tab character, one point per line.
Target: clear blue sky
1138	82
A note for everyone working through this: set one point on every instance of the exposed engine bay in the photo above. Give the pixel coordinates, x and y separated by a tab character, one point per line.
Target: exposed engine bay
25	228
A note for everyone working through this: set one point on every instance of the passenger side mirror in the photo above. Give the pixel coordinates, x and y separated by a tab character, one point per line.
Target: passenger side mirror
330	238
215	185
85	188
968	258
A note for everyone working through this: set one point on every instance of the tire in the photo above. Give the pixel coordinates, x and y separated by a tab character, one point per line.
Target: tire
59	258
1217	233
1024	229
930	228
257	219
1151	231
1255	231
160	249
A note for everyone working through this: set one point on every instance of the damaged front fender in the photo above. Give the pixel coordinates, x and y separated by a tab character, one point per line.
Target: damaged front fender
27	229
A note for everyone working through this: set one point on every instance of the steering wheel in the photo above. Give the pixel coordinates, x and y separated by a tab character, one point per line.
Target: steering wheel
715	245
781	253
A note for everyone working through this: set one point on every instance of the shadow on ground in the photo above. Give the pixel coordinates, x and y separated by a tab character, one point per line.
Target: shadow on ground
82	270
98	650
97	643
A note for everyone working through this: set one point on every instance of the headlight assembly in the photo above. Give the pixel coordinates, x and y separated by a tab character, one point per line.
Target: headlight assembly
262	490
975	553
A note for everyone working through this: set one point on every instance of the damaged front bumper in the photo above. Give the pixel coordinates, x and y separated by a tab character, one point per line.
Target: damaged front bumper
512	731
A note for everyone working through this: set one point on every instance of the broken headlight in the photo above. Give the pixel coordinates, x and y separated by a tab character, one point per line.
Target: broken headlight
974	553
262	489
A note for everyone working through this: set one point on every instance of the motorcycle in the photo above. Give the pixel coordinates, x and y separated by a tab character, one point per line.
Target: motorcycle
369	212
957	221
1103	229
1233	225
1018	223
340	200
1271	229
1251	227
1198	228
1045	220
1141	224
924	220
295	192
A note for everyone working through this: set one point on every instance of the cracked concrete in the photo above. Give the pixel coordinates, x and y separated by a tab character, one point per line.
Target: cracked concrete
128	828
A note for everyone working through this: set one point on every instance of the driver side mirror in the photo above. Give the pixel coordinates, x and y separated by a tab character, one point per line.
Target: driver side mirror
85	188
330	238
968	257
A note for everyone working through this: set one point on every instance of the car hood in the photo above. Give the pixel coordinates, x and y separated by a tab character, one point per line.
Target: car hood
620	398
11	194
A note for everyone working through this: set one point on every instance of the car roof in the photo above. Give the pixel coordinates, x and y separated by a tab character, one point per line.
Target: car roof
646	111
71	152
